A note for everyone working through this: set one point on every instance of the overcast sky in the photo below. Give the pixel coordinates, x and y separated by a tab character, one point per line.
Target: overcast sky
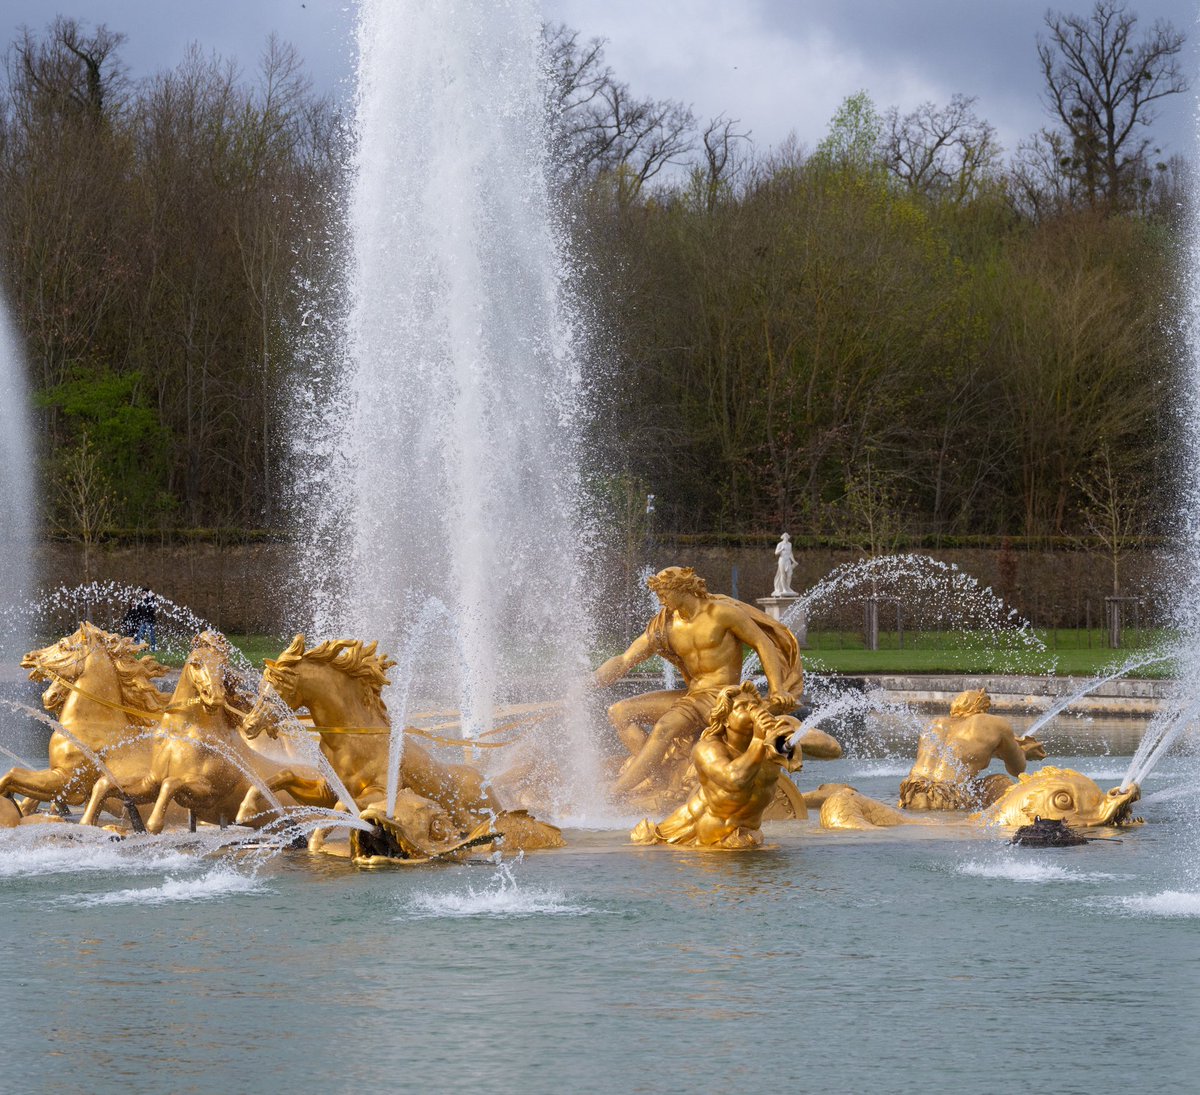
780	66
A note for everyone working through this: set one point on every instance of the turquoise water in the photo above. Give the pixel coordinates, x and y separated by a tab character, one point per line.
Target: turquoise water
892	961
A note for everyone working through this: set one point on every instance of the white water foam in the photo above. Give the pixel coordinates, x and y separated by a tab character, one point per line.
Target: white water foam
219	882
501	900
1014	870
881	769
28	860
1170	904
496	903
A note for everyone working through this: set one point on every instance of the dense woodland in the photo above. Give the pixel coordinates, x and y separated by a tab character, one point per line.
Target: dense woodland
905	333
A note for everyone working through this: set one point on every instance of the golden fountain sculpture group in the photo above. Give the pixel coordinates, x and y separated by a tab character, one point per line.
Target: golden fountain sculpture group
714	756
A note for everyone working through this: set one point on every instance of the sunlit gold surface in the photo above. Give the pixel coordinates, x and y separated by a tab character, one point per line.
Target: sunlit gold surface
1056	794
702	634
102	693
198	759
1061	794
340	684
954	751
847	808
738	761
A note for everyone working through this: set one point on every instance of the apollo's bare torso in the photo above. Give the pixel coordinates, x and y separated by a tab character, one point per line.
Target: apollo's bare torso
706	645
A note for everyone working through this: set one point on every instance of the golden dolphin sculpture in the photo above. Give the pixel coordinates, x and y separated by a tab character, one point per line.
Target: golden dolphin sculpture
1051	793
1061	794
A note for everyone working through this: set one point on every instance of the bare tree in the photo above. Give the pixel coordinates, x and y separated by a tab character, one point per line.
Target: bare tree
1041	183
1102	84
943	150
603	127
1114	508
723	160
84	498
72	71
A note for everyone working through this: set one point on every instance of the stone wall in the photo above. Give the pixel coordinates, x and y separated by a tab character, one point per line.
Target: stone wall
239	587
1049	588
235	587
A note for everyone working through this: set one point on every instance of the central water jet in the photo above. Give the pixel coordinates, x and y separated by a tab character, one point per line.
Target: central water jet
456	475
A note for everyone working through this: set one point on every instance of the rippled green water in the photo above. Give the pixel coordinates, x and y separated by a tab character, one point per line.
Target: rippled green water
896	961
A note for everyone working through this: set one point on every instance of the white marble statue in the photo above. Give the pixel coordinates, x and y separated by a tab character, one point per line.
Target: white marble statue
783	572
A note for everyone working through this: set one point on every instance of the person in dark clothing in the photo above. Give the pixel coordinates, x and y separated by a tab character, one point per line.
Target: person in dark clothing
140	618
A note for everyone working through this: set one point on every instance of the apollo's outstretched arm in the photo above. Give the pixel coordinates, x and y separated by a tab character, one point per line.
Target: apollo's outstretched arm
616	667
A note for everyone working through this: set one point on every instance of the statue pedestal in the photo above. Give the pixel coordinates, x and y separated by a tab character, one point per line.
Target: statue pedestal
775	607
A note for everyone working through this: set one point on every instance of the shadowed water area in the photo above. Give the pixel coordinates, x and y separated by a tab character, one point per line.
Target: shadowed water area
883	961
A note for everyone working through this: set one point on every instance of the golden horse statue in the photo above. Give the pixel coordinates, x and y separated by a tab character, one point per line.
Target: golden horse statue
199	759
739	760
443	807
103	696
1050	793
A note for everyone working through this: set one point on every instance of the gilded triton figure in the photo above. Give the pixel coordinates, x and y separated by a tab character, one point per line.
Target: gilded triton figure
952	752
738	761
702	634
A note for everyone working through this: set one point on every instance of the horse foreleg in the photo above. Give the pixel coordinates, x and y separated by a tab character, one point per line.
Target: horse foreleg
167	790
308	791
130	793
102	788
253	804
43	785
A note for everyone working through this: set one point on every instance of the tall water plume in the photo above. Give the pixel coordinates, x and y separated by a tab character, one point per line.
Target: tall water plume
17	516
460	437
1181	713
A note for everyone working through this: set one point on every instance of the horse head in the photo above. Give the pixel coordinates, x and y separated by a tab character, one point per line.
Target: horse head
106	659
278	686
341	676
203	679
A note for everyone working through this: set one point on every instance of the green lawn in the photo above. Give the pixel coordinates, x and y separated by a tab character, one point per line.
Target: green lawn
1069	652
255	647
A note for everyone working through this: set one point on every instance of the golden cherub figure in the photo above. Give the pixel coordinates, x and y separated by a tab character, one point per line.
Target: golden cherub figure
738	761
702	634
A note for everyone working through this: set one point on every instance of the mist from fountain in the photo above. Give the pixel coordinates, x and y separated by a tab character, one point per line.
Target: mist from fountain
934	595
457	430
17	485
1178	717
1138	661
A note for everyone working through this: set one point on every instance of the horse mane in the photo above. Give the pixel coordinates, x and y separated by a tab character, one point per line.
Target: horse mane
134	674
353	657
